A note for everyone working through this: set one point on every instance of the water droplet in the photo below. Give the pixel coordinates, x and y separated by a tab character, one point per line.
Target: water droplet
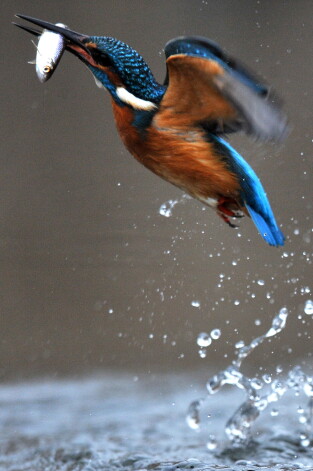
215	334
236	302
202	352
308	388
278	322
267	378
195	303
274	412
278	387
166	208
261	404
212	443
261	282
204	340
304	440
193	414
256	383
308	307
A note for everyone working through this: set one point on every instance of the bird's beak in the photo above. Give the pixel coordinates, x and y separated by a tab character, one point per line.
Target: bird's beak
75	42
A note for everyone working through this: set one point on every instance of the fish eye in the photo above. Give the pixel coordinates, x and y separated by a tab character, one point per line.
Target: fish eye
47	69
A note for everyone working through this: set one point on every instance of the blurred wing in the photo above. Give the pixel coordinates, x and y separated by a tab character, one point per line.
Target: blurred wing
207	87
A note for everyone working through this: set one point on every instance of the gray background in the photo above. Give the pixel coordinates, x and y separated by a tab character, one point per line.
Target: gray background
92	276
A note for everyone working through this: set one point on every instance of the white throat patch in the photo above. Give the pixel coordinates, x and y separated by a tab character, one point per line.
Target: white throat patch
132	100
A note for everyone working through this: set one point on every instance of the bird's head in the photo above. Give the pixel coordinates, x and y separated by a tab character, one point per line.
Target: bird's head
114	64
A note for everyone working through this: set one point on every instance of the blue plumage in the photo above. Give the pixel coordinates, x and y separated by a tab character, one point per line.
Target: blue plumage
139	80
130	67
167	127
267	227
252	193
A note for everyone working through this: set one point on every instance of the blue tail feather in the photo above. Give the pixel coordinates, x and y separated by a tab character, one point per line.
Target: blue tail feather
252	193
268	230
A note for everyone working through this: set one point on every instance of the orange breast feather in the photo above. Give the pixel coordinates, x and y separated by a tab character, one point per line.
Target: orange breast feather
182	157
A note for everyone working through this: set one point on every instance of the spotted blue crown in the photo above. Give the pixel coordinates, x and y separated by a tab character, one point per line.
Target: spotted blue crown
129	66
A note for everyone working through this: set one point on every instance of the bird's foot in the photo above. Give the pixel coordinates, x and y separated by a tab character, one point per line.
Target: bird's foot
227	220
225	212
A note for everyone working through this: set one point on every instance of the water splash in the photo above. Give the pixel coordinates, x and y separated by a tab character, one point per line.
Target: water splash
215	334
195	303
308	308
260	393
204	340
166	209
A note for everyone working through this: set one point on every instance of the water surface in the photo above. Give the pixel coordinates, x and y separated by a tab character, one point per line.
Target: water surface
126	423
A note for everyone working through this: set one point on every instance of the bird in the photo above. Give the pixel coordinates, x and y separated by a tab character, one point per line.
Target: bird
178	129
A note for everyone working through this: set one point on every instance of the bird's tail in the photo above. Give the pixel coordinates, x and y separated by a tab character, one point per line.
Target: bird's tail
267	228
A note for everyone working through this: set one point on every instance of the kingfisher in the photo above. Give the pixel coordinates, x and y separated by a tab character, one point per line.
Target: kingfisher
177	129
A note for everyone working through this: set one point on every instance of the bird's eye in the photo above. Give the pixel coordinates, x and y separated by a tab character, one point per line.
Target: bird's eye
101	58
46	69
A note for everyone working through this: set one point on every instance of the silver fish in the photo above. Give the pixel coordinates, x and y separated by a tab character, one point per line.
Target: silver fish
50	48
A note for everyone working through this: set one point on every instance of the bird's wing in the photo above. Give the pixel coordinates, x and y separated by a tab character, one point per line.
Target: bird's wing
207	87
